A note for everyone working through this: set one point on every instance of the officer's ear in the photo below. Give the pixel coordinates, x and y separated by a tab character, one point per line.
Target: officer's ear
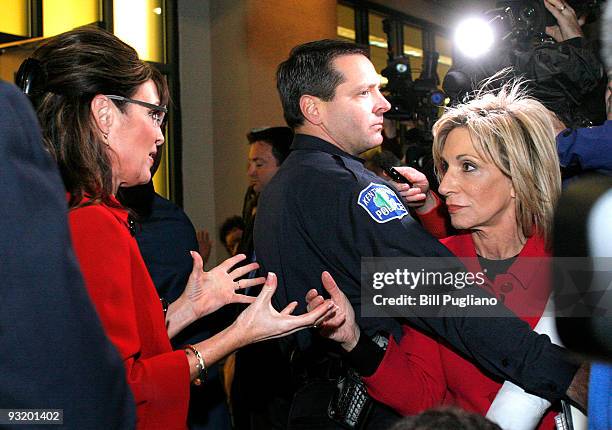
311	109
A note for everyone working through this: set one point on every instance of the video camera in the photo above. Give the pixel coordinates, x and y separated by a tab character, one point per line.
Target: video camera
411	100
416	101
561	75
520	21
524	22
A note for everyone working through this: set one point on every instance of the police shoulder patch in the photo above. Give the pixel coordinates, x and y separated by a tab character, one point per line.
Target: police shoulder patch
381	203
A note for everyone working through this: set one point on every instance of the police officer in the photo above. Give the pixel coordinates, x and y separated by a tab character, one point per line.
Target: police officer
322	212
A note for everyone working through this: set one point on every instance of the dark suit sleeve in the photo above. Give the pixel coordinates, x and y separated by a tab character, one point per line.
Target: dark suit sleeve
55	353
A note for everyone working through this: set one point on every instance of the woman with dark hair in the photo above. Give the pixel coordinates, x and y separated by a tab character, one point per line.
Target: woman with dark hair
102	110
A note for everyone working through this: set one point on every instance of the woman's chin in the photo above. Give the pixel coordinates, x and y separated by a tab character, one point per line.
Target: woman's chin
145	179
140	181
459	224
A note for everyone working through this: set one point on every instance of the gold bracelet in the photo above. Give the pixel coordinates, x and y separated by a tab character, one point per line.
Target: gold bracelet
200	365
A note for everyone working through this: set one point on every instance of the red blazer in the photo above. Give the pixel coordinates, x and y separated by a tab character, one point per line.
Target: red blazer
422	372
129	308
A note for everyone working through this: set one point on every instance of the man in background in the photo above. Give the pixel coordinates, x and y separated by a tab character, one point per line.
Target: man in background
230	234
260	393
268	148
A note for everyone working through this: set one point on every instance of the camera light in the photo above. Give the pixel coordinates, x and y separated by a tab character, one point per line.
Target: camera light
474	37
437	98
401	68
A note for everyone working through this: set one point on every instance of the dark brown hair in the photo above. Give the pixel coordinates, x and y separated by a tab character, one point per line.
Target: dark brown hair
78	65
279	138
309	70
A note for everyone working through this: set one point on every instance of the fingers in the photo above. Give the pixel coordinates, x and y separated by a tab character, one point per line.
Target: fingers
554	32
246	283
315	315
554	8
203	238
401	187
410	173
243	298
416	177
313	299
198	264
569	25
269	287
414	195
551	7
557	6
231	262
289	324
335	320
333	315
311	294
314	302
560	15
332	320
331	287
243	270
411	192
289	308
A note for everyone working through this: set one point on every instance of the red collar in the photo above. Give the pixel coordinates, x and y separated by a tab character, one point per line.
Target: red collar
462	245
117	211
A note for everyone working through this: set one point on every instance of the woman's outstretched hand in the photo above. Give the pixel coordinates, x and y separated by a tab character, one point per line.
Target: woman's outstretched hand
260	321
209	291
206	292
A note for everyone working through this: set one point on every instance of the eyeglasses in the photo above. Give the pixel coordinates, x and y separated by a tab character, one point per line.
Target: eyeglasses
157	114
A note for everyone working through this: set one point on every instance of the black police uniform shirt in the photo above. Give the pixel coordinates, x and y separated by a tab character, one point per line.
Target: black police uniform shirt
316	214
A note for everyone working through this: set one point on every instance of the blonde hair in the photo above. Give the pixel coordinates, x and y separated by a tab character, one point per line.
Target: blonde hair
515	132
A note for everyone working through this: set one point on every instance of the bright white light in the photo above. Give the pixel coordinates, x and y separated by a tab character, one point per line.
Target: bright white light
474	37
157	11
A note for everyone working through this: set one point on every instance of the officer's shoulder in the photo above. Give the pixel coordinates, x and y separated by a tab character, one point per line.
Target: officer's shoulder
327	170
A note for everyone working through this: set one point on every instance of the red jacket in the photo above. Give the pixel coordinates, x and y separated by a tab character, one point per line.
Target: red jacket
422	372
129	308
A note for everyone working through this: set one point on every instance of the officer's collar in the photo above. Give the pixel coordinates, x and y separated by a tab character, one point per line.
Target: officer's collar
312	143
